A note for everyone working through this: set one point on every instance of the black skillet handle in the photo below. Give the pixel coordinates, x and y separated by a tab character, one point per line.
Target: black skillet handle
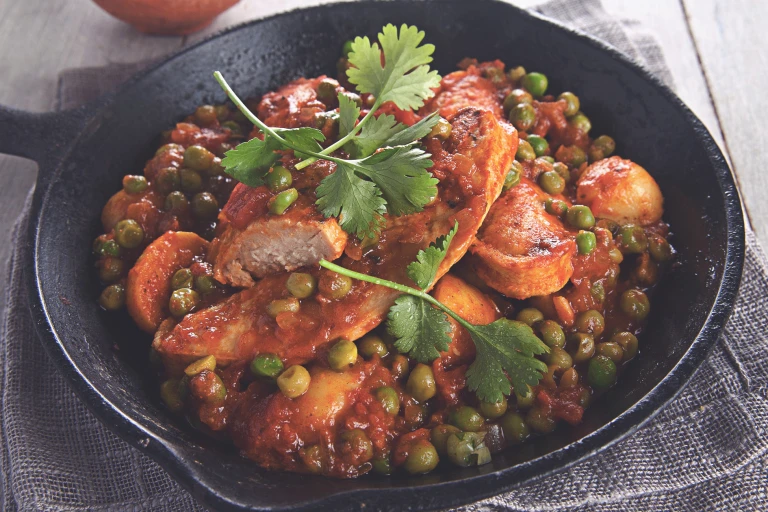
43	137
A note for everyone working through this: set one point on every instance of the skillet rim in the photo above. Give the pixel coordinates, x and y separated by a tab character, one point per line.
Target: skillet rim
170	454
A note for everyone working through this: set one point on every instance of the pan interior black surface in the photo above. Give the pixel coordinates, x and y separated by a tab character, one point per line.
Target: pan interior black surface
650	125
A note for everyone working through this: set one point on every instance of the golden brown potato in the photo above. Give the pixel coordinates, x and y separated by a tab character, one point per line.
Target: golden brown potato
148	287
521	250
473	306
622	191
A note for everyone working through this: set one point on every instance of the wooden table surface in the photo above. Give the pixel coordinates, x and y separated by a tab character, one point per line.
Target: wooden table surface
711	46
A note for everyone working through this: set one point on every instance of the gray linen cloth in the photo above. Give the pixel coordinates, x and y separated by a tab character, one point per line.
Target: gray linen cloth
705	451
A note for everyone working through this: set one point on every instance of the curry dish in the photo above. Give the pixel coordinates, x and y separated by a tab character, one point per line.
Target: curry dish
532	225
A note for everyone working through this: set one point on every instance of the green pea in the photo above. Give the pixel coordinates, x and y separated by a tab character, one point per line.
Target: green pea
421	383
571	155
493	74
281	202
516	74
524	151
382	465
514	428
549	159
110	269
334	286
342	355
601	372
551	333
110	248
205	363
530	316
580	216
580	122
357	442
277	306
326	90
632	239
301	285
372	344
590	322
266	365
493	410
538	420
615	255
222	112
135	184
605	144
168	179
586	242
536	83
346	49
585	347
517	97
183	301
659	248
468	449
178	148
628	342
388	398
205	284
177	203
191	181
572	103
169	393
278	179
128	234
182	278
113	297
439	437
523	117
555	207
198	158
552	183
611	350
422	458
312	456
560	358
442	130
294	381
466	418
562	169
205	115
539	144
635	304
513	176
525	398
234	128
205	206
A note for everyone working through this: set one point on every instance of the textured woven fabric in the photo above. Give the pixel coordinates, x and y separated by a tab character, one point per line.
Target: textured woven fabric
705	451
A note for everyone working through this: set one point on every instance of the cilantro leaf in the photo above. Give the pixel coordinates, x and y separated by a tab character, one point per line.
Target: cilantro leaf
349	112
424	269
504	346
401	175
374	135
410	134
421	330
250	161
404	78
302	139
356	202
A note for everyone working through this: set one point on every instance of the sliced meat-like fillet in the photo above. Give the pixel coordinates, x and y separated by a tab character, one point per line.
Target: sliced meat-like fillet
521	250
471	166
462	89
270	244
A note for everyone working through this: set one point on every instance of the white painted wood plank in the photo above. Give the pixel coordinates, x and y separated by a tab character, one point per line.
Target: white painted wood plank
730	38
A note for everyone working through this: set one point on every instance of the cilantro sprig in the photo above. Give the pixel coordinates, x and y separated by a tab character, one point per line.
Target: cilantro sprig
387	172
402	77
505	349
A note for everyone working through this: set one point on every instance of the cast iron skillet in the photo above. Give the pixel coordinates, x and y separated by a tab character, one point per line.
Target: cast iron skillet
84	153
